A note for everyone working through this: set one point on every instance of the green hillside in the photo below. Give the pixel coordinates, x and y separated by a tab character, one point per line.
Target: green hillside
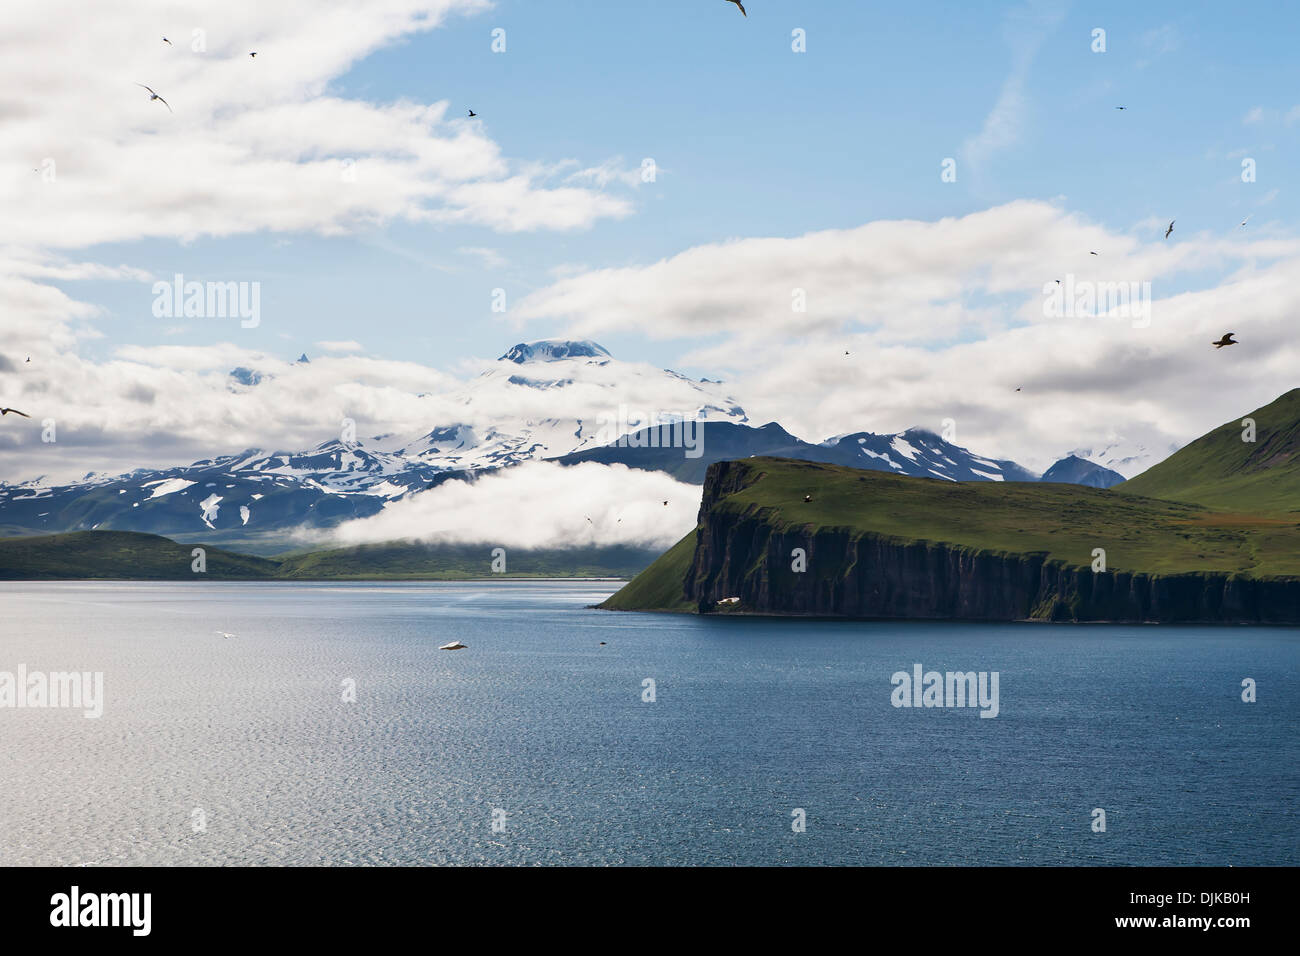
119	554
136	555
397	560
660	585
1064	521
1222	471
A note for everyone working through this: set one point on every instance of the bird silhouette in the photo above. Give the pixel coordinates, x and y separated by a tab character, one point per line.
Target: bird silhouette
6	411
252	54
1121	107
472	114
807	498
1171	227
1244	221
154	96
741	5
167	41
1226	340
1017	388
1094	253
665	504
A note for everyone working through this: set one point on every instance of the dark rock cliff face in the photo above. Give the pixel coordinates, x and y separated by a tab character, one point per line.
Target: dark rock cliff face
855	574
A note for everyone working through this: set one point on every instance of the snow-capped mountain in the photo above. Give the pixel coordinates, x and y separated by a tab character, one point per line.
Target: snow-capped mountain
561	400
551	398
1127	457
916	452
924	454
542	399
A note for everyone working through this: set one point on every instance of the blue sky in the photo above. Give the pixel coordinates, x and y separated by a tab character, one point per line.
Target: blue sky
755	140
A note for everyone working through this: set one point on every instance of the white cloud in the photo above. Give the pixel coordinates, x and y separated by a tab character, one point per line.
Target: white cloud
539	505
340	346
945	319
252	144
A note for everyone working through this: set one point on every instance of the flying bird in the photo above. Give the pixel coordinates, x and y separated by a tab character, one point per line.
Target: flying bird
167	41
453	646
665	504
1121	107
6	411
252	54
1246	220
1017	388
741	5
1094	253
1171	227
807	498
154	96
1226	340
226	634
472	114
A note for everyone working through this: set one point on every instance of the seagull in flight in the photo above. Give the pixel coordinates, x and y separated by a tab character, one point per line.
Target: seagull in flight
741	5
1171	227
472	114
254	54
1094	253
167	41
6	411
154	96
1226	340
1244	221
226	634
1121	107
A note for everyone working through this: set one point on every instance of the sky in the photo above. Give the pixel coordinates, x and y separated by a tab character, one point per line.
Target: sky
903	183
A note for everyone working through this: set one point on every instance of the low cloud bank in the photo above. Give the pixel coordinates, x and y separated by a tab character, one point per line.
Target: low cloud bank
539	505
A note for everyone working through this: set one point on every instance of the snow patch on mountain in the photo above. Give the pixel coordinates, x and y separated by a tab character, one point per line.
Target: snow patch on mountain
166	486
554	350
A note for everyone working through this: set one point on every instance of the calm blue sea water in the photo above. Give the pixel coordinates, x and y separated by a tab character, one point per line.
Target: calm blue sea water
752	720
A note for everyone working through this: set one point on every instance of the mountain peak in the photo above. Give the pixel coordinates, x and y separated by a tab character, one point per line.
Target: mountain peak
553	350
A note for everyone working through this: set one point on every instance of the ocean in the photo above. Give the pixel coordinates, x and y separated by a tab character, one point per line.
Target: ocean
331	730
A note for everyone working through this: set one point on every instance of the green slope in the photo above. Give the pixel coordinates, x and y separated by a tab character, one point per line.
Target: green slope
660	585
1222	471
119	554
136	555
1063	522
396	560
